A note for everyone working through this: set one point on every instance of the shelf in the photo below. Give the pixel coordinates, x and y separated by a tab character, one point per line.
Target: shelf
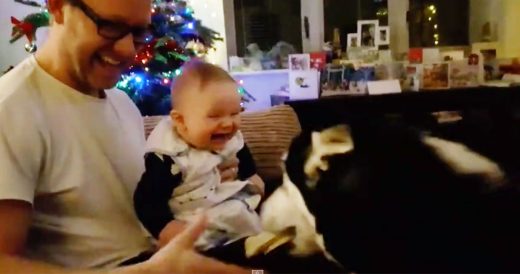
334	109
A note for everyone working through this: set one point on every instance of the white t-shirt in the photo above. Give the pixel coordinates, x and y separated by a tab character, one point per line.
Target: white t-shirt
77	160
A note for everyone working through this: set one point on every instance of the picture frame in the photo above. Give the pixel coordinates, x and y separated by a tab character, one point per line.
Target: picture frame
436	76
353	40
299	62
367	31
304	85
383	36
318	60
489	53
464	73
413	77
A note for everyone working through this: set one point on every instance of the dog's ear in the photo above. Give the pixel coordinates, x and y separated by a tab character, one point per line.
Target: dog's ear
326	143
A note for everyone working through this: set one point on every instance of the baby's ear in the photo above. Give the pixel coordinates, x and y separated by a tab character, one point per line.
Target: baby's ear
177	118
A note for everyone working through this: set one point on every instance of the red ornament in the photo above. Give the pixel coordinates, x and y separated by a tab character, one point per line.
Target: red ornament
23	28
146	53
169	45
172	45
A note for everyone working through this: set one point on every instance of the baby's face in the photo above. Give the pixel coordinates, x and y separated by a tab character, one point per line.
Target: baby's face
213	117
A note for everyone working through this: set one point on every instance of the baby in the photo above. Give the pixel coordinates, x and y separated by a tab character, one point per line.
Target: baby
183	156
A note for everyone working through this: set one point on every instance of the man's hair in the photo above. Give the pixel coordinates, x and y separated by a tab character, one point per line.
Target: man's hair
197	74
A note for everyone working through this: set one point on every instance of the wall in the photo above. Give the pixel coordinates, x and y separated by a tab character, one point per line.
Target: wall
211	13
12	54
481	12
231	31
313	9
508	34
399	42
504	18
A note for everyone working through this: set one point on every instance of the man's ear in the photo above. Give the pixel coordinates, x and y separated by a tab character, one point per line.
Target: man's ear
178	120
55	8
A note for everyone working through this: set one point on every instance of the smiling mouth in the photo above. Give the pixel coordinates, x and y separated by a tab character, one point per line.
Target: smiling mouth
221	137
108	61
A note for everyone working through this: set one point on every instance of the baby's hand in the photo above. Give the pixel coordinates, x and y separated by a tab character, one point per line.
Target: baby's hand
171	230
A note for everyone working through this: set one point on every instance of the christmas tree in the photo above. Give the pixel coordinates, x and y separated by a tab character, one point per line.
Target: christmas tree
177	37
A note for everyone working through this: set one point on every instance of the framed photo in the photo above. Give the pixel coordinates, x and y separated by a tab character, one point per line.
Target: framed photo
415	56
383	35
489	54
352	40
304	84
299	62
436	76
413	77
318	60
367	31
464	73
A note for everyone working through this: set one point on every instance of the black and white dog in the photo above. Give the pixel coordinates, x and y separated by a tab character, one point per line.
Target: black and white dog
388	198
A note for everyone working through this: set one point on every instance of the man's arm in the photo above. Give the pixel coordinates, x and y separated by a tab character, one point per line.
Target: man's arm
178	256
15	219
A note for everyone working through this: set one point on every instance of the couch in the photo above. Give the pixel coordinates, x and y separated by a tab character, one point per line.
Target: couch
268	135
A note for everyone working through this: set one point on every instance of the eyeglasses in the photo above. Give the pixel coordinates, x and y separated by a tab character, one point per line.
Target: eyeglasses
113	30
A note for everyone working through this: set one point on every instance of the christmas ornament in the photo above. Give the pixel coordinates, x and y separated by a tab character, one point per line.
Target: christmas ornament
197	48
28	26
177	19
31	47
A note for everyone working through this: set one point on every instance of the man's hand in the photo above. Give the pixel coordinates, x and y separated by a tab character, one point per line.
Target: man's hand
229	170
170	231
258	184
179	255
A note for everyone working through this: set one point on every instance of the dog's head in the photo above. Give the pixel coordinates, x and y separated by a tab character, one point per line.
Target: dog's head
384	198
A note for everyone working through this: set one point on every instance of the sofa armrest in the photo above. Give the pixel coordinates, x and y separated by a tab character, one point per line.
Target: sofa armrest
268	135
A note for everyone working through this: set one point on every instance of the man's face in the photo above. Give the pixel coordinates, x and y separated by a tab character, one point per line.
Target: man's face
95	62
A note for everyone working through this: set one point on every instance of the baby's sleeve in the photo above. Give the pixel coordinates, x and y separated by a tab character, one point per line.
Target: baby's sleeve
246	166
153	192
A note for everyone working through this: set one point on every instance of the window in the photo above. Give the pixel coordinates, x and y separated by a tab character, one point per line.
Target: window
413	23
438	23
345	14
266	22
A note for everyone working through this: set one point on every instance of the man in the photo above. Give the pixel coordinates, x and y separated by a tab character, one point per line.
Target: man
71	152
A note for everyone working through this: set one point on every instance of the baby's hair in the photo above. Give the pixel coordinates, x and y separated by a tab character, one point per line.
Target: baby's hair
198	74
